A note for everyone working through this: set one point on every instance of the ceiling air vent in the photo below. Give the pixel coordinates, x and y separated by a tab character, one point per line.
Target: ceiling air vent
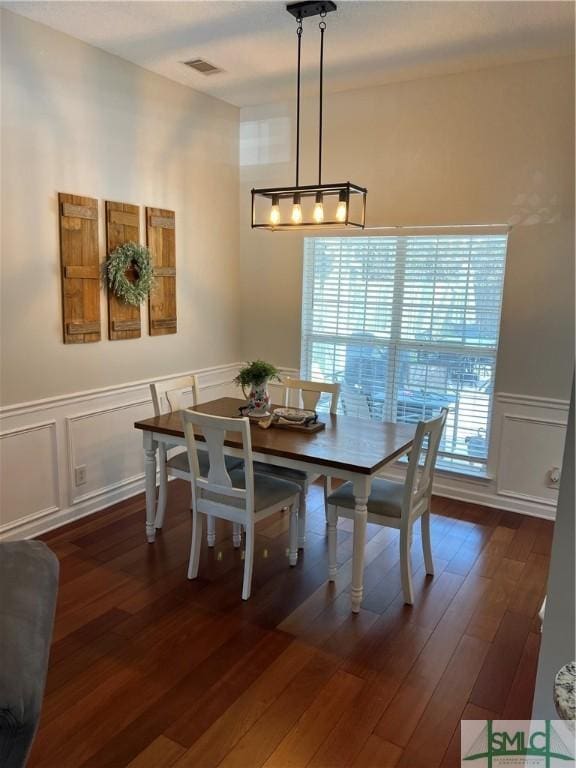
204	67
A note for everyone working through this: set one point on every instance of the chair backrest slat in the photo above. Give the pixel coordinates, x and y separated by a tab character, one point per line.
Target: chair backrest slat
418	486
218	482
168	395
310	392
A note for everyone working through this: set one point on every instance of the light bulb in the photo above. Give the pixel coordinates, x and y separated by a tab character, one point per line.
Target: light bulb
296	210
318	213
342	207
296	213
275	211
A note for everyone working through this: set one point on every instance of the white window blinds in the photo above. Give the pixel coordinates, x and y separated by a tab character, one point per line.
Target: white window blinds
408	325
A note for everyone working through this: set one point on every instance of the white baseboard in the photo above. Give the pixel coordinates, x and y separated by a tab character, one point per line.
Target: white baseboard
36	525
42	442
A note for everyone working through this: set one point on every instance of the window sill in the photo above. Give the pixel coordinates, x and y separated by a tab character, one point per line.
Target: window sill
480	476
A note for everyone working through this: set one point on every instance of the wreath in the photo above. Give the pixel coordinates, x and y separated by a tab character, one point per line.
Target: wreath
119	261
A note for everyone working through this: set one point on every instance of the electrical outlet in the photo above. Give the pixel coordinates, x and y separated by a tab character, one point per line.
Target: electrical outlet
80	475
553	477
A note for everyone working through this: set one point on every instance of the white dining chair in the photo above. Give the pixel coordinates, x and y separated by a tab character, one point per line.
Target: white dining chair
396	505
167	397
238	495
355	402
304	394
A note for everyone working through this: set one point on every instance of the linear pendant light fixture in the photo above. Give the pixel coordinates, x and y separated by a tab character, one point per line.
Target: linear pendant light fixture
318	205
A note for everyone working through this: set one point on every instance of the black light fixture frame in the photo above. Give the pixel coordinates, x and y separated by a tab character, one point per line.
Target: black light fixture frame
344	190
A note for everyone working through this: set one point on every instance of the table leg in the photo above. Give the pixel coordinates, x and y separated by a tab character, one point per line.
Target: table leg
150	447
361	494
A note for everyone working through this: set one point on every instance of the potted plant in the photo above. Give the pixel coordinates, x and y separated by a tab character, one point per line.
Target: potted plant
256	375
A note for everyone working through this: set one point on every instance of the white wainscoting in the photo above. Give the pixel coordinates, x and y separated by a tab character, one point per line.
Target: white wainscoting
29	452
120	464
43	442
526	442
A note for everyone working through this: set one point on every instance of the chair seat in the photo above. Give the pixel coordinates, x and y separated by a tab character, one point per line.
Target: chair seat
181	464
268	491
297	476
385	498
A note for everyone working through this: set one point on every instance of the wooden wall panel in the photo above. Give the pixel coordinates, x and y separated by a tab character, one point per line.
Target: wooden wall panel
122	226
160	234
80	268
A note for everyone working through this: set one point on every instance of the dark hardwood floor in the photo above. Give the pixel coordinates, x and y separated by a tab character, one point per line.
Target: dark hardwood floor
151	670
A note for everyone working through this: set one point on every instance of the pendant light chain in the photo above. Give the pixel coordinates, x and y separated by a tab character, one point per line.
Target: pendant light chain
322	27
299	34
289	207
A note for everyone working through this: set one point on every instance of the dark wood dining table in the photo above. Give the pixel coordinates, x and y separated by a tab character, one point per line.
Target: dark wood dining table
348	448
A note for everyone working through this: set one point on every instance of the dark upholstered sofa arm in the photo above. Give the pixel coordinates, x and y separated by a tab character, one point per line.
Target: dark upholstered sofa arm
28	590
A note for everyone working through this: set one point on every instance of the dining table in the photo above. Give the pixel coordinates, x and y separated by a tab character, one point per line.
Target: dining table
348	448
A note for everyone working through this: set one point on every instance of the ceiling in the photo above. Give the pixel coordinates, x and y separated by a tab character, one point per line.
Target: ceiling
367	43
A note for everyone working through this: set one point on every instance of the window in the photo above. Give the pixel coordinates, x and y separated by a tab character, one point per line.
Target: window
408	325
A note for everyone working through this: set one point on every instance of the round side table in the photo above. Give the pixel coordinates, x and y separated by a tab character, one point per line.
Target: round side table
565	692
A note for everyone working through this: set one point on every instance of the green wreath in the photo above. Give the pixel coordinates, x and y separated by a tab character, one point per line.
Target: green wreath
123	257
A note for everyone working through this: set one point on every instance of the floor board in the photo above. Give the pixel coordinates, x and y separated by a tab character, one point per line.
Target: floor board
149	669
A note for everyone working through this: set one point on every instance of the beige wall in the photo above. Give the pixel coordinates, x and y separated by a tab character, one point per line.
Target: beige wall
493	146
76	119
